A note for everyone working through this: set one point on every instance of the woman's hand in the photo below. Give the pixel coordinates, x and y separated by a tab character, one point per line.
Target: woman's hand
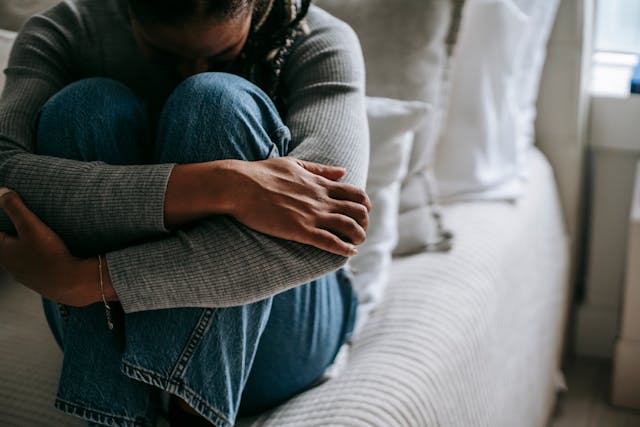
40	260
282	197
300	201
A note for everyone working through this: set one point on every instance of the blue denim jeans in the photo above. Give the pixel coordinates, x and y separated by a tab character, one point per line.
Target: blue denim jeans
221	361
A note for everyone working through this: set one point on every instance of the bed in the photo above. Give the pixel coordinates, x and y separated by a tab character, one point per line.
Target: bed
463	339
472	337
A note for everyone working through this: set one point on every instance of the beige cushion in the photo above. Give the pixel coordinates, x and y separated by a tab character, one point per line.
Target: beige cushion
13	13
406	45
391	126
403	43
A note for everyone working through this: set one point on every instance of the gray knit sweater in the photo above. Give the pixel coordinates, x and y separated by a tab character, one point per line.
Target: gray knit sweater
97	207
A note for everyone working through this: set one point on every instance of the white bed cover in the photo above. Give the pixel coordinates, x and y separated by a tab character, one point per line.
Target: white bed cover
470	338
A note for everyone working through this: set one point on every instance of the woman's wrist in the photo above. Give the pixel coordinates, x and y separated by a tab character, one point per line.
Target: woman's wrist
198	190
86	276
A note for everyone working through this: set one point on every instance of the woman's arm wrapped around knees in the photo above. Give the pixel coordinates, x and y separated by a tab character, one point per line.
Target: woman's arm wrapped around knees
91	205
219	262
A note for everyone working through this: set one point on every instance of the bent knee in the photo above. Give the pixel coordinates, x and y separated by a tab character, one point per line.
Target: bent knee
213	116
214	84
86	100
224	93
90	111
89	95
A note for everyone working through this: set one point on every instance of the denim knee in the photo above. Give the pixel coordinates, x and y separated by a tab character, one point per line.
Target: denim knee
213	116
94	119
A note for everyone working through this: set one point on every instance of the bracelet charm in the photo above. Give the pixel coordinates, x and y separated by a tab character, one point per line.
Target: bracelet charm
107	308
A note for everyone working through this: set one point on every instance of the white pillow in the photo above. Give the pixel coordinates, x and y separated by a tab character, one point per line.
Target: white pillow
391	126
477	149
421	227
529	69
490	123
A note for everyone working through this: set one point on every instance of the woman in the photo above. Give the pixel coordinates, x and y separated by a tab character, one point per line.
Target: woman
169	188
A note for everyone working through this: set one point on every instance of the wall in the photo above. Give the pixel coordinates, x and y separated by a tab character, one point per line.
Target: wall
563	109
614	150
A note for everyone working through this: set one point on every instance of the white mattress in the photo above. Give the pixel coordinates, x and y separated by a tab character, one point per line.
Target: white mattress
468	338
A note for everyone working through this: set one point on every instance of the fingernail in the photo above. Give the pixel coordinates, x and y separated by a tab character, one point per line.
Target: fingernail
354	251
4	191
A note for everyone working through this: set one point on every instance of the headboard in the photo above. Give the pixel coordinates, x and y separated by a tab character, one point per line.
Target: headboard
563	112
563	104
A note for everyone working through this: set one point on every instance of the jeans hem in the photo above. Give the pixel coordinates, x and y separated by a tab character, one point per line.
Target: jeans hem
99	417
179	389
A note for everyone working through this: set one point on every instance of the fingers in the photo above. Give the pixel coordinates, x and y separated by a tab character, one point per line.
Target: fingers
341	191
22	218
332	173
353	210
338	190
329	242
344	227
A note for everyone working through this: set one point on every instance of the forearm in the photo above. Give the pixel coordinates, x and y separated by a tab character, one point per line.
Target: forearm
93	206
242	265
217	263
196	191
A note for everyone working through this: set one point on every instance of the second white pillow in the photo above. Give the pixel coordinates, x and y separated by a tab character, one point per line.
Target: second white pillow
391	126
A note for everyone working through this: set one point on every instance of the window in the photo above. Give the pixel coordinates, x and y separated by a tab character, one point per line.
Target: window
616	45
618	26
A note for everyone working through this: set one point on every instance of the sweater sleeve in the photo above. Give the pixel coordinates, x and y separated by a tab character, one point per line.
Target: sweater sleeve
89	204
219	262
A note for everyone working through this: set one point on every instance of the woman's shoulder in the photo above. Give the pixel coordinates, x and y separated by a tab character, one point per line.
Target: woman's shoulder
77	36
71	15
329	52
319	19
326	29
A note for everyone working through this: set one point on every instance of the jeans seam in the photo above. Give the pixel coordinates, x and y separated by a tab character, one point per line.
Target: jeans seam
192	344
177	387
350	303
96	415
174	383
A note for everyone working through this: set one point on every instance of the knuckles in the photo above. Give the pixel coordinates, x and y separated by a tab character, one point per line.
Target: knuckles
360	237
363	199
360	196
362	216
351	230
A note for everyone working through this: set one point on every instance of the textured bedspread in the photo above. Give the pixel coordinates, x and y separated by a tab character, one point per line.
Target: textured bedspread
469	339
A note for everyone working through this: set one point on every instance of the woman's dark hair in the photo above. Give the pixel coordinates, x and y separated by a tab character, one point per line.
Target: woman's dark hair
178	11
277	27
